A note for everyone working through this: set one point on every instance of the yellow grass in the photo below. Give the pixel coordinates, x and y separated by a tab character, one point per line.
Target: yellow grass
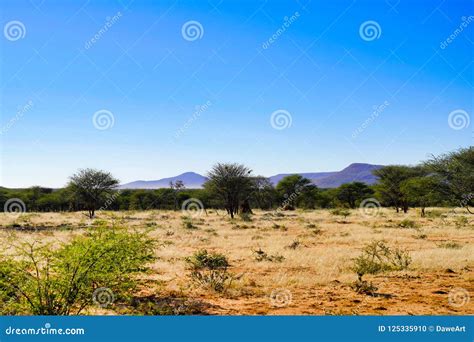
314	277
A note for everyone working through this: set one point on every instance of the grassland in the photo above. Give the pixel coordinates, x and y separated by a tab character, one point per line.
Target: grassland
294	262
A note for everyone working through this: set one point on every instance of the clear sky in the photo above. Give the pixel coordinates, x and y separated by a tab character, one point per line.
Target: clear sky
191	83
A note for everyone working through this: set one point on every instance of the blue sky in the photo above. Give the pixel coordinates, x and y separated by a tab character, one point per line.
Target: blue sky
321	69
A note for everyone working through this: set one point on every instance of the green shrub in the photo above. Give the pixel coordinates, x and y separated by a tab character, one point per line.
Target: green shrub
377	257
65	281
188	223
210	270
340	212
246	217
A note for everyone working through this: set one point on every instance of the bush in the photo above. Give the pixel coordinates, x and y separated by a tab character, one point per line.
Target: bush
340	212
246	217
210	270
363	286
261	255
188	224
376	257
65	281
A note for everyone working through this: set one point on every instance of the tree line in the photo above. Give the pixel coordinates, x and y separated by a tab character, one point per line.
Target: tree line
446	180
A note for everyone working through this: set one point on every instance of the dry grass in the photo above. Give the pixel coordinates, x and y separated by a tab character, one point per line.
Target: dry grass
315	249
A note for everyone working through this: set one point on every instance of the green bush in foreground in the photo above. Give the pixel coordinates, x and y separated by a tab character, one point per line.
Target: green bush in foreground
95	268
210	270
377	257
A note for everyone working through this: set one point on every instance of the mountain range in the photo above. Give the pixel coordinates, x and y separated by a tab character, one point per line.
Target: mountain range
357	172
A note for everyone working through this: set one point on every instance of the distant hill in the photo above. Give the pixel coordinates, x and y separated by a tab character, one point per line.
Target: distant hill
191	180
357	172
313	176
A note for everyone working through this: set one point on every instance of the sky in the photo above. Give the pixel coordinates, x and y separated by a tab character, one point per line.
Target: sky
151	89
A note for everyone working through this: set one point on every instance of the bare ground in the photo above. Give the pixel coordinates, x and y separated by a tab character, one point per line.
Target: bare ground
310	272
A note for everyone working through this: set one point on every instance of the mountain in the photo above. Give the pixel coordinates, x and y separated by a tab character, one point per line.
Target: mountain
191	180
357	172
313	176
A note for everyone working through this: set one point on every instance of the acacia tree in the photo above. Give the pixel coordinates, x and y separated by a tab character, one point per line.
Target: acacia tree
232	183
293	187
264	194
351	193
391	179
456	171
422	192
91	188
176	187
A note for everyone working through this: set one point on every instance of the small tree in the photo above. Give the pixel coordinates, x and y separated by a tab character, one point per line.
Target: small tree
264	194
91	188
41	280
390	181
422	192
232	183
352	193
456	170
176	187
292	187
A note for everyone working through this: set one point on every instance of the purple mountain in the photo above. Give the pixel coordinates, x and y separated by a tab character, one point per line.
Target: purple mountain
357	172
191	180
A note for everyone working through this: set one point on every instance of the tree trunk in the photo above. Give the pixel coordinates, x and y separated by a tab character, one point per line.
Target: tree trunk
245	207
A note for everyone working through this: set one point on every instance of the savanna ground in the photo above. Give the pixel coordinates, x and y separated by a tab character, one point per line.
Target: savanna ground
286	263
